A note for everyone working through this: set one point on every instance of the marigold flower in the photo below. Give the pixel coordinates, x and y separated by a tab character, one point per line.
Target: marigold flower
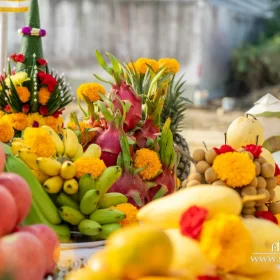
18	79
130	212
171	64
44	96
19	121
91	90
226	242
35	120
85	135
178	183
23	94
235	169
54	123
87	165
148	159
6	131
141	65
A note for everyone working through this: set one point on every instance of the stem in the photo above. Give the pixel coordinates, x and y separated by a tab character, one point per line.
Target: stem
247	115
248	198
225	138
205	146
257	140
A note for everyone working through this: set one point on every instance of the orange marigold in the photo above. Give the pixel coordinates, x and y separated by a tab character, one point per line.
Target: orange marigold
141	65
130	212
90	90
171	64
54	123
23	94
85	135
19	121
44	96
6	131
87	165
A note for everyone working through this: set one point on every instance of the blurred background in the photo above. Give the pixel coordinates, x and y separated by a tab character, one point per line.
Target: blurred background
229	50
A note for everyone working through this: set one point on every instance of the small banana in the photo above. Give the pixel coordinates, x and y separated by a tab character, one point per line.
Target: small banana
65	200
112	199
53	185
71	186
68	170
107	216
70	215
71	142
89	227
93	151
56	139
16	146
79	153
89	201
86	183
49	166
107	179
41	176
106	231
28	157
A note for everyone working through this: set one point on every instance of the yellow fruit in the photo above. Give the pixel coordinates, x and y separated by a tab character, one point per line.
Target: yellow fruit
28	157
93	151
49	166
16	146
87	274
243	131
271	275
167	211
71	186
235	277
68	170
139	251
98	262
160	278
268	156
53	185
41	176
265	237
185	251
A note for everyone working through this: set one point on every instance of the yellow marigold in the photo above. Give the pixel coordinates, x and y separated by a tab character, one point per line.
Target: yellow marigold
226	242
235	169
87	165
150	160
6	131
18	79
277	216
1	114
44	96
19	121
54	123
91	90
178	183
171	64
130	212
23	94
40	142
141	65
85	136
35	120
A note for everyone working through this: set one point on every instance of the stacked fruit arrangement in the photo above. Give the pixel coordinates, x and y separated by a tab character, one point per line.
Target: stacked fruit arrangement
194	234
26	252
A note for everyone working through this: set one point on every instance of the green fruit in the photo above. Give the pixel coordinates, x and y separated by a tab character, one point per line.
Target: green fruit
86	183
70	215
112	199
106	231
65	200
107	216
89	227
89	201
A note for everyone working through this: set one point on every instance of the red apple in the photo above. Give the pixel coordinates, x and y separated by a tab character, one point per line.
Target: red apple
21	192
24	256
8	212
2	158
49	241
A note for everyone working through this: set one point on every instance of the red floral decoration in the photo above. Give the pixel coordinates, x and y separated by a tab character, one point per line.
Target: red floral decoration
208	278
224	149
7	109
277	170
266	215
17	57
254	149
42	61
47	80
43	110
25	108
192	220
57	113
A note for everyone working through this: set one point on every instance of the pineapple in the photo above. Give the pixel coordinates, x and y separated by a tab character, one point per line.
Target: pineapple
175	107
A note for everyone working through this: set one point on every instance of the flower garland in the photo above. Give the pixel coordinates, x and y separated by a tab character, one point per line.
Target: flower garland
28	31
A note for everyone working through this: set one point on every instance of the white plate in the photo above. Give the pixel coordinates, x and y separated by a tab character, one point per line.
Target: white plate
87	245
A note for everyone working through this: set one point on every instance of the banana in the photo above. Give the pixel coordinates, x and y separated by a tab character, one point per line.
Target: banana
28	157
41	176
89	227
56	139
49	166
93	151
16	146
79	153
107	216
89	201
166	212
65	200
41	198
68	170
71	143
107	179
70	215
112	199
106	231
35	216
53	185
71	186
86	183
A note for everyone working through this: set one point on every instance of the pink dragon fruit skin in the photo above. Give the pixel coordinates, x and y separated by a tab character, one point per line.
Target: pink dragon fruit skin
134	115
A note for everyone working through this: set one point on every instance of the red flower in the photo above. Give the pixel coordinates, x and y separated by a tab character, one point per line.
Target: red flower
19	58
208	278
47	80
42	61
224	149
57	113
192	221
266	215
254	149
13	57
7	109
25	108
43	110
277	170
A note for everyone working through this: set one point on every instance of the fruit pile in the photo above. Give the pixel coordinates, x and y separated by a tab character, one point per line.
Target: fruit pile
26	252
194	234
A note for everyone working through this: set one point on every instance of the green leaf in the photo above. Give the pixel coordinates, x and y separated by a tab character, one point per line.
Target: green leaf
102	63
